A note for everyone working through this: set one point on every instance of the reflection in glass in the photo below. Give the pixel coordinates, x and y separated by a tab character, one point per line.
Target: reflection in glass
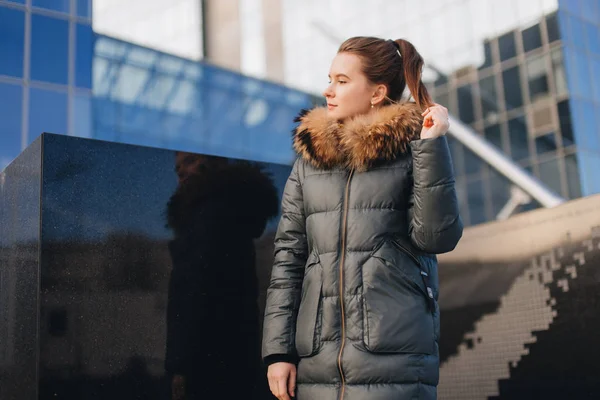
545	143
512	88
532	38
49	33
572	176
12	25
465	104
518	137
537	77
550	174
507	46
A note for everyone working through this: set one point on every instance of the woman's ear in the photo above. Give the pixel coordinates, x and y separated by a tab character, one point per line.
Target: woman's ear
379	95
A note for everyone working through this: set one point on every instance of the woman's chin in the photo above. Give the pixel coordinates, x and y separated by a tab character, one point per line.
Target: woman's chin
333	113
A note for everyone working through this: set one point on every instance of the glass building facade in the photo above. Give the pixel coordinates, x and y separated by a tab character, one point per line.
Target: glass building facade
46	51
524	75
143	96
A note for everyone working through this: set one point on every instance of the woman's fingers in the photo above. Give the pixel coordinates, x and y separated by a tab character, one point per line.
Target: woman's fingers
283	394
292	383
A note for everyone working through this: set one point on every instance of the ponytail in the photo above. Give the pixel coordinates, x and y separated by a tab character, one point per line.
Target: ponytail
382	61
412	65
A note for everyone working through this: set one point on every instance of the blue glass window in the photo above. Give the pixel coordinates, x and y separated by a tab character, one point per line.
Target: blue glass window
11	97
84	54
545	143
576	32
566	128
512	88
550	174
588	126
47	112
519	143
81	114
570	5
552	26
572	174
590	164
55	5
465	104
592	34
595	65
49	49
84	8
508	48
494	135
12	39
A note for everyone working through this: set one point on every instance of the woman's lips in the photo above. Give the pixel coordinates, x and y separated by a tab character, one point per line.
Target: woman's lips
331	106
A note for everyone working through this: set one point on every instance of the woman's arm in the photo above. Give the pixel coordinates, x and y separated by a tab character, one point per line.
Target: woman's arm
291	253
434	222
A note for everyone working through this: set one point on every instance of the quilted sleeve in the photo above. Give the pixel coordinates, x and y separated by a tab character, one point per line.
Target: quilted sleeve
435	225
290	255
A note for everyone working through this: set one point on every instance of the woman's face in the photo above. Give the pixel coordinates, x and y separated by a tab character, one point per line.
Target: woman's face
349	92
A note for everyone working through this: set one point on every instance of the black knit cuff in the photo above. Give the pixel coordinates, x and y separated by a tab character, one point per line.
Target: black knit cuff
275	358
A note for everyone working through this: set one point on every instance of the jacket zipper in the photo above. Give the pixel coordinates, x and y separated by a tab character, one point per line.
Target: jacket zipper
424	274
342	259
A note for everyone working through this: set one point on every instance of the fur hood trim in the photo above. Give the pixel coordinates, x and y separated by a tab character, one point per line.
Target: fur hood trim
362	142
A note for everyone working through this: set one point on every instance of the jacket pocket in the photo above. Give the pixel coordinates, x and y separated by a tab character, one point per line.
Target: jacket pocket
397	316
308	323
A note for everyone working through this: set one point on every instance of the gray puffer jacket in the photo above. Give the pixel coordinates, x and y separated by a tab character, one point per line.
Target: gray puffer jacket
354	287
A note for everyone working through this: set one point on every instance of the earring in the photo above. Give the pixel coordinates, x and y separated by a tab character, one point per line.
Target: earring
372	105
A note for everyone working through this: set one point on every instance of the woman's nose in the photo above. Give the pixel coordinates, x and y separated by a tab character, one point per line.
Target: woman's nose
328	92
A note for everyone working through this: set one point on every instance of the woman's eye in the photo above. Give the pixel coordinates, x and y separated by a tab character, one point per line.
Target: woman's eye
341	82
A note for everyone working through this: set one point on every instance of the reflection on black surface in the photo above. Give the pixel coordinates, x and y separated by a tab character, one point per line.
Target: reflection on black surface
213	326
150	276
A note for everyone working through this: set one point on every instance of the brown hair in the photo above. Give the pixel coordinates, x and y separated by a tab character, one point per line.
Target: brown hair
382	65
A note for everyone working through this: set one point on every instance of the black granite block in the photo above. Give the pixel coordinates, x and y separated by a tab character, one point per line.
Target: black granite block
139	271
20	189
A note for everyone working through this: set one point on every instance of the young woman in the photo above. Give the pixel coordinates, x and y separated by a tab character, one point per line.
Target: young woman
352	308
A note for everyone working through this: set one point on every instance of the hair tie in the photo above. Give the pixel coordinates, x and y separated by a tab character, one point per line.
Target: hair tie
397	46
